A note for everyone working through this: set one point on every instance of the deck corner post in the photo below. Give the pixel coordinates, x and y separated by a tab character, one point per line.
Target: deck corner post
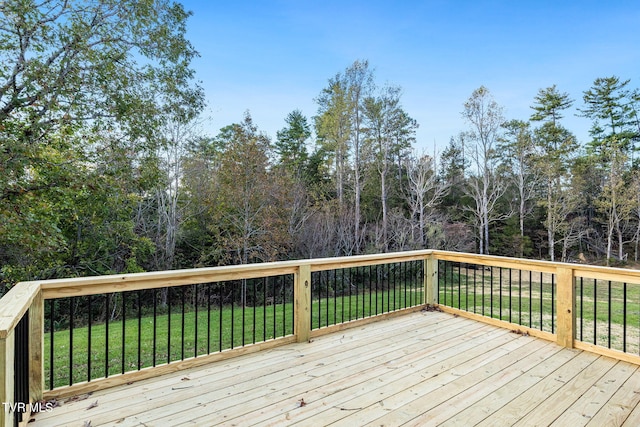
430	279
303	303
36	348
566	320
7	413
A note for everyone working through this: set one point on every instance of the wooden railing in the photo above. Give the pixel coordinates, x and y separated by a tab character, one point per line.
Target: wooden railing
567	296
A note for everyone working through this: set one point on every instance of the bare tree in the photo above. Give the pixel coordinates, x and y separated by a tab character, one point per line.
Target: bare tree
425	191
168	194
485	185
388	130
359	79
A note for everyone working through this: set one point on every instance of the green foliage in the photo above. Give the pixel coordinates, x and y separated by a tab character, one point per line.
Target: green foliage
84	88
291	142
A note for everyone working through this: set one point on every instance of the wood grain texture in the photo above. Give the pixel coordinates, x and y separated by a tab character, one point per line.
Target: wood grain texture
417	369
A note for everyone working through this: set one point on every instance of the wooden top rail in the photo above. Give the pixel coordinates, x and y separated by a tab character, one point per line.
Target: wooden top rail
579	270
80	286
14	304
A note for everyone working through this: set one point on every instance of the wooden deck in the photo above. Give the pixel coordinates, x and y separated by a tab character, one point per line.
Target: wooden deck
425	368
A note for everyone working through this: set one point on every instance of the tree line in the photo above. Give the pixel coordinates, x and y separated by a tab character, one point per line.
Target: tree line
106	168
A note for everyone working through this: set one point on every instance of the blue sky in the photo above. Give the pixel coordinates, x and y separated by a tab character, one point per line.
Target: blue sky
271	57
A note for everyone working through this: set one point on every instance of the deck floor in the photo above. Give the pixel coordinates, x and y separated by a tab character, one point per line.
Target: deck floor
425	368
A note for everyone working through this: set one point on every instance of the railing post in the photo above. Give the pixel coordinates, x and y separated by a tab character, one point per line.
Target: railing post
303	303
431	279
36	348
7	414
566	295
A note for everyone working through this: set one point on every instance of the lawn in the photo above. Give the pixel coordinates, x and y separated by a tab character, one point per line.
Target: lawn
150	341
607	313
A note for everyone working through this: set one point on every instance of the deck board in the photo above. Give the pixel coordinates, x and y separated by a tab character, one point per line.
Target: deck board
424	368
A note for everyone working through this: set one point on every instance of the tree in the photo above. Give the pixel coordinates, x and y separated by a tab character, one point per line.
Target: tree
359	80
333	130
291	142
518	153
485	117
452	170
75	76
555	146
339	129
201	242
425	191
245	192
388	131
607	105
164	212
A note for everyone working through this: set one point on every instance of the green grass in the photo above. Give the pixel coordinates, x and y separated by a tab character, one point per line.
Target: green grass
343	308
204	333
600	310
210	337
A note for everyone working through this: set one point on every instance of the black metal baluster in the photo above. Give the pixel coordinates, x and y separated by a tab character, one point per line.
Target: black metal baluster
182	323
169	325
139	330
195	321
609	314
541	300
500	293
284	308
155	325
510	296
466	287
220	288
450	283
106	335
409	282
624	316
377	287
254	310
264	309
319	288
520	296
335	294
581	307
530	298
342	293
361	272
51	346
21	367
439	274
395	285
275	304
350	293
595	311
243	300
233	303
491	291
89	337
483	293
475	304
459	288
124	311
398	273
328	296
553	303
71	319
209	318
